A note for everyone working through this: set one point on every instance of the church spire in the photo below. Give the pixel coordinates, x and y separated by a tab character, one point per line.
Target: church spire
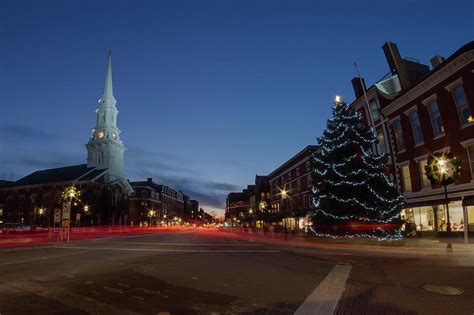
108	87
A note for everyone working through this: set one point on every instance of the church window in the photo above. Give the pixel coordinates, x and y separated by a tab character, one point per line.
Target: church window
100	159
102	116
114	135
100	134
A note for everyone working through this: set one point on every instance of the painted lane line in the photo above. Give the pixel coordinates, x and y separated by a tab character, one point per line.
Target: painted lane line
323	300
183	244
166	250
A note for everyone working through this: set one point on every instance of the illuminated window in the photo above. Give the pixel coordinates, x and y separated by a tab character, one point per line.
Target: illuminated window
425	182
406	177
114	135
381	146
100	134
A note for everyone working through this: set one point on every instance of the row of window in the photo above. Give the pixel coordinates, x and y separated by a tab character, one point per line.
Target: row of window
294	186
289	176
299	202
425	182
462	107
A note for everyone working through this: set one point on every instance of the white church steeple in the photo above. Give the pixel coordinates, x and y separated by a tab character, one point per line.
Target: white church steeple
105	150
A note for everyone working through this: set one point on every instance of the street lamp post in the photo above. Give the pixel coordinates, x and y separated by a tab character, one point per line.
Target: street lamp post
69	194
151	214
284	195
443	169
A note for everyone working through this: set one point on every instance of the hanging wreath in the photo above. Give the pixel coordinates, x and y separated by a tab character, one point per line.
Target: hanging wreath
440	164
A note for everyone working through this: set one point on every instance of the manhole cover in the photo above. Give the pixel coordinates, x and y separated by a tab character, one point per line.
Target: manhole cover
442	289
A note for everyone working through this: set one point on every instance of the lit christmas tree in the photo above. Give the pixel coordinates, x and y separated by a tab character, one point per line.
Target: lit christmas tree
352	195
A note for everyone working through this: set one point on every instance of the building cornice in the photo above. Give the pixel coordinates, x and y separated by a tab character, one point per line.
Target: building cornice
436	78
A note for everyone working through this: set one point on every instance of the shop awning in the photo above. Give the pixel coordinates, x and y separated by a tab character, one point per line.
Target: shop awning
429	202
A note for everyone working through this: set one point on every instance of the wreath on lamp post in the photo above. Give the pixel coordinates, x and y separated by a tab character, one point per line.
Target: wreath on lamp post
443	168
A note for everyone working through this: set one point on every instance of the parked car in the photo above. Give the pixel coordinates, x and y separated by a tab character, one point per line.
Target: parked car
15	228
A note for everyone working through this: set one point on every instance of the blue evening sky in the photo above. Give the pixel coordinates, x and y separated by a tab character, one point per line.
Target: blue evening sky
210	93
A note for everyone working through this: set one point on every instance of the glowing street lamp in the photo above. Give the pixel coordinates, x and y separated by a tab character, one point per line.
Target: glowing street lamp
443	169
338	100
41	211
71	193
151	214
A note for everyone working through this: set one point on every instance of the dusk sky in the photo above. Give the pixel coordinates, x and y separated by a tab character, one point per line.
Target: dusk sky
210	93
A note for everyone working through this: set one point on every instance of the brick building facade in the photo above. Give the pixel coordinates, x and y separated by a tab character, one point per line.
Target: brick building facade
415	112
290	191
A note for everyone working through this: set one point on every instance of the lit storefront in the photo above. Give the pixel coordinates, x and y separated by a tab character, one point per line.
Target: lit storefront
297	223
433	218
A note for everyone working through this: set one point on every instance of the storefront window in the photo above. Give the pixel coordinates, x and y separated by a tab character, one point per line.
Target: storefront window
470	217
433	218
456	217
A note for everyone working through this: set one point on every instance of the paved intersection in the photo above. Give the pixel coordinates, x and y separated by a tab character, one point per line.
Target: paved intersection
193	272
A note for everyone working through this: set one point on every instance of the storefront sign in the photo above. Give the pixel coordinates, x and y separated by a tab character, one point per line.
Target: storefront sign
66	211
57	215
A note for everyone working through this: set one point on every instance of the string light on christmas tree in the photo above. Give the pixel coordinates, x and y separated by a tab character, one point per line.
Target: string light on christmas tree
350	181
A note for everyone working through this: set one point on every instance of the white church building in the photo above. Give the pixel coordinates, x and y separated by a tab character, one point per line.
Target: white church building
103	185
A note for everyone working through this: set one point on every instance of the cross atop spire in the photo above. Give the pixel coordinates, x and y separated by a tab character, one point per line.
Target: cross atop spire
108	87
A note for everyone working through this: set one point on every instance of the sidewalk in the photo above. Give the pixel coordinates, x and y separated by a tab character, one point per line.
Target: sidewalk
311	239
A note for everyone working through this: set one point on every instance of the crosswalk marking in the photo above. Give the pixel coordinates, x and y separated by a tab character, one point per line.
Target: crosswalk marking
323	300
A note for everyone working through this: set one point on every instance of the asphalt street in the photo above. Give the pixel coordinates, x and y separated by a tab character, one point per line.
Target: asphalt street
195	272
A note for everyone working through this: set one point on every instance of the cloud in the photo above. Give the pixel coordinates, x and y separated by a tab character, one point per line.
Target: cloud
166	168
14	133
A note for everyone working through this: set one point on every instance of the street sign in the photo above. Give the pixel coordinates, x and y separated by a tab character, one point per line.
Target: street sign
66	210
65	223
57	215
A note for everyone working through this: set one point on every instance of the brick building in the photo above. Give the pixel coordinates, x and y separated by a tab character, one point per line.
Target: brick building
416	111
237	204
290	191
152	203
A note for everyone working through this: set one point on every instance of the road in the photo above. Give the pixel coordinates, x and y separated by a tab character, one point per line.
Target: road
197	272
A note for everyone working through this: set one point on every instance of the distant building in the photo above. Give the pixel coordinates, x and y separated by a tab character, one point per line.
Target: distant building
152	203
237	203
290	191
415	112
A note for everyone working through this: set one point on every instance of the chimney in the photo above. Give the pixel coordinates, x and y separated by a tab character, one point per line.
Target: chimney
436	61
393	56
408	70
149	180
358	84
